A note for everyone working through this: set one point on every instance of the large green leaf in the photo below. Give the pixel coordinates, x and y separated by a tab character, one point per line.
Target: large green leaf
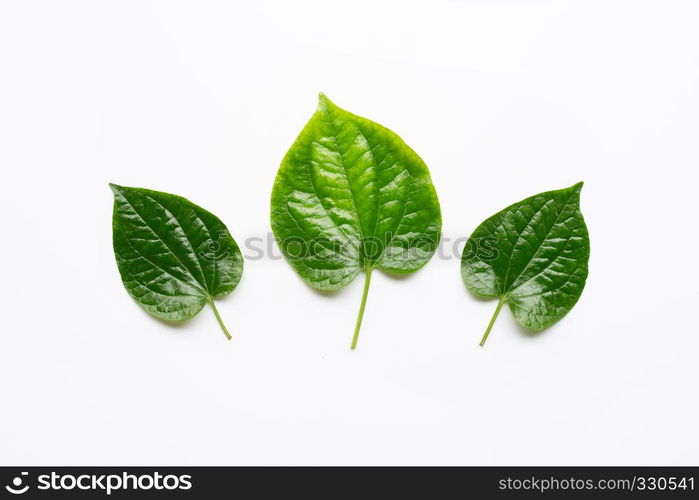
173	255
533	256
351	196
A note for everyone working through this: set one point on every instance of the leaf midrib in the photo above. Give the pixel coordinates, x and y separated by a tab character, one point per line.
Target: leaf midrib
512	288
366	262
189	242
330	123
192	285
172	252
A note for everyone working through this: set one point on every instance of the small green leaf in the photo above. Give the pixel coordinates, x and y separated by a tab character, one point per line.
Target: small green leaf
351	196
533	256
173	255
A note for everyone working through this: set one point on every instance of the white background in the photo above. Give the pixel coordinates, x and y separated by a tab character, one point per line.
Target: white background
502	99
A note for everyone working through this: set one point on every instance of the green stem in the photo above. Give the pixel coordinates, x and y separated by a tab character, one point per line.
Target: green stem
220	321
367	280
492	320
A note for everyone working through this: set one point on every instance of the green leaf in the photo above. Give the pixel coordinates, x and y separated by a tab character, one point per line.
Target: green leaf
533	256
351	196
173	255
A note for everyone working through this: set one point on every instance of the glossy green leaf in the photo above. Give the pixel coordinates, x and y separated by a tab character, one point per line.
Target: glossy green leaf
533	256
173	256
351	196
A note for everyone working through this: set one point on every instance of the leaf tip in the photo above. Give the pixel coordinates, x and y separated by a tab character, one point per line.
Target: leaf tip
323	102
578	186
114	187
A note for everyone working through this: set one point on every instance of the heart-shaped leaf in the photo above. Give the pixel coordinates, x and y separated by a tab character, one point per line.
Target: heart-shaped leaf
351	196
173	255
533	256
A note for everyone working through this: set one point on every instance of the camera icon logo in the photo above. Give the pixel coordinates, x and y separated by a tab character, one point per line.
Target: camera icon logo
16	487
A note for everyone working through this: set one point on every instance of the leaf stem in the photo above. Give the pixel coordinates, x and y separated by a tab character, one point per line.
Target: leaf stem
220	321
367	281
492	320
